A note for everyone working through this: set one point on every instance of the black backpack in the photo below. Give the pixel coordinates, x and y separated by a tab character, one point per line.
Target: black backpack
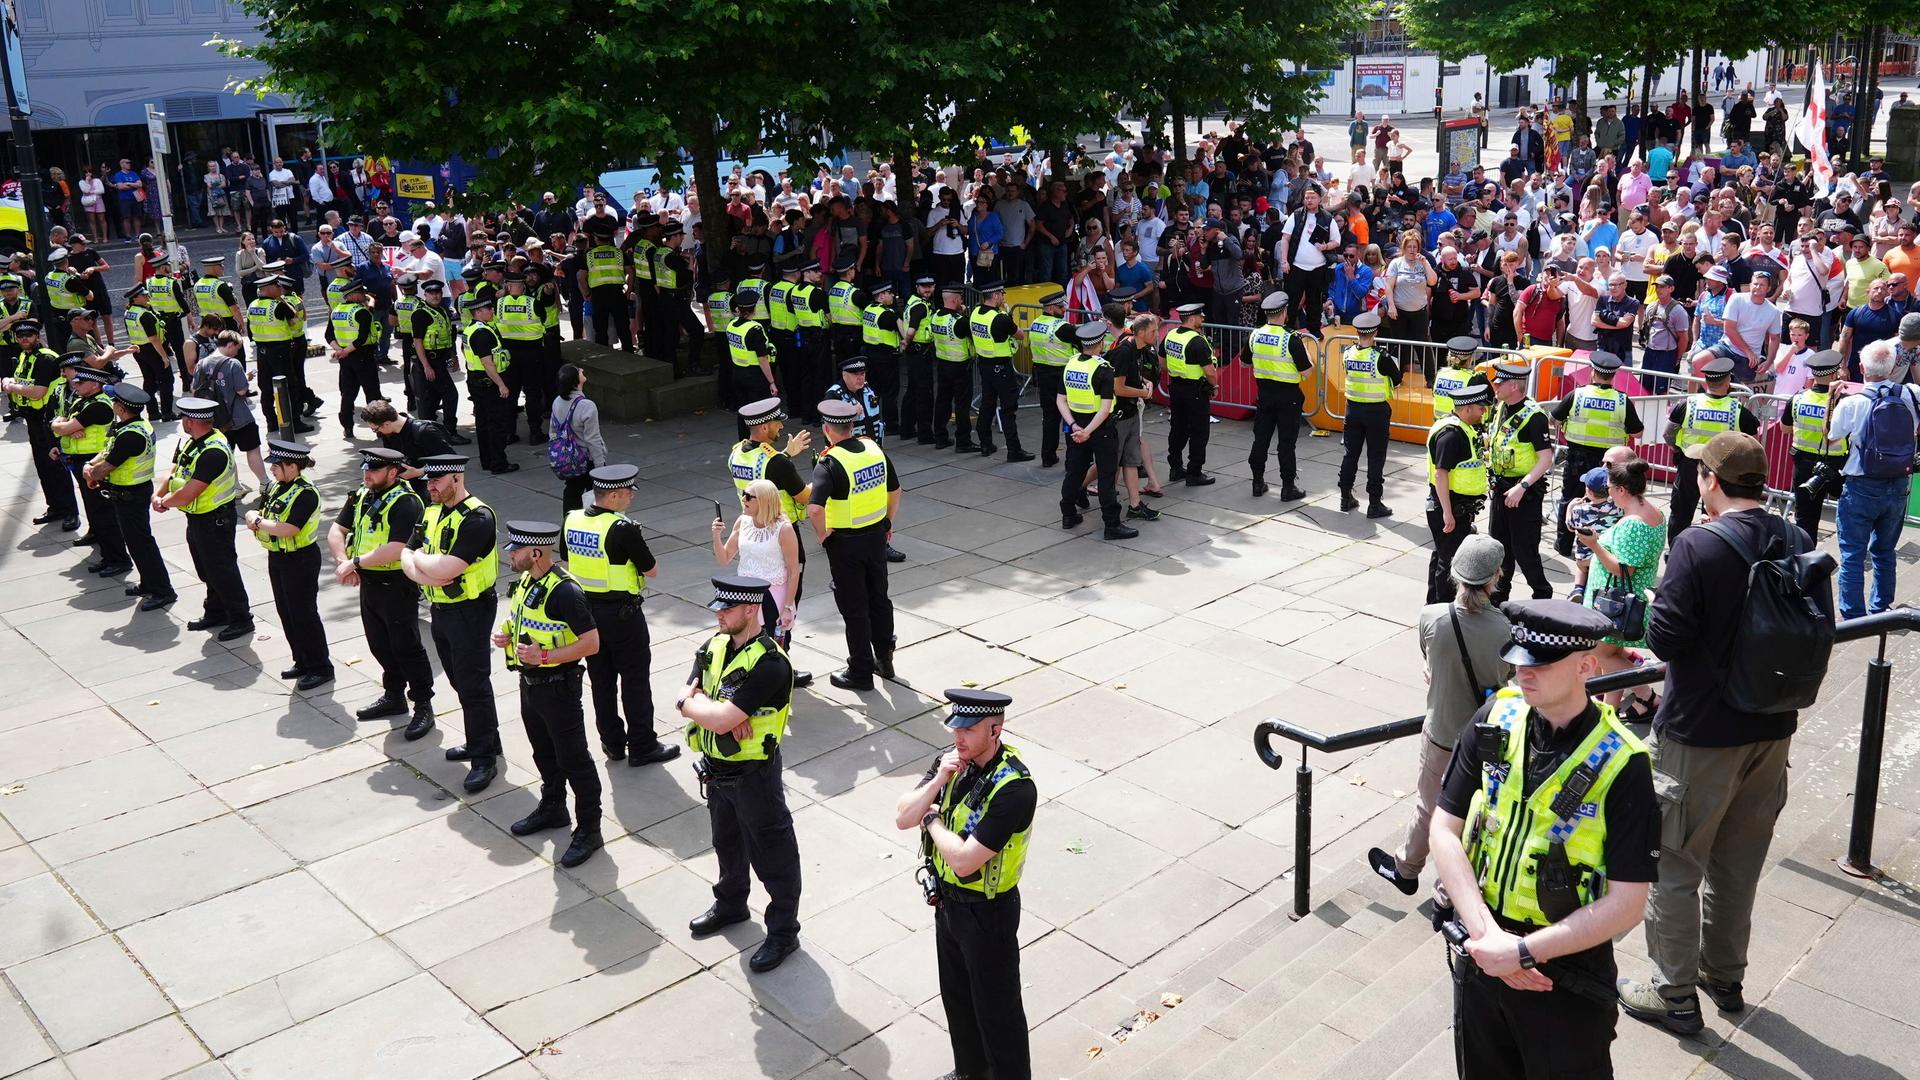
1784	637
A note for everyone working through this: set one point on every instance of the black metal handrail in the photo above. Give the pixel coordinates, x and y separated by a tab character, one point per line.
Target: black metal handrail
1866	788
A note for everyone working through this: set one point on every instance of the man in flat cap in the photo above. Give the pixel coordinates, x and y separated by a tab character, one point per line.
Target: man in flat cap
453	559
1279	359
974	808
1595	418
1693	422
1050	344
203	483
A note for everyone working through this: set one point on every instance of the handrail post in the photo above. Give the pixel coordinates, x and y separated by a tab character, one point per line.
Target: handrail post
1866	781
1302	836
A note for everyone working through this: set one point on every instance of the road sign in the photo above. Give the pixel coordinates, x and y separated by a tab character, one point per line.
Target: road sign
157	132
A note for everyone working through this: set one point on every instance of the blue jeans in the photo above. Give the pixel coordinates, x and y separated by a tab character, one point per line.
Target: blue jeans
1870	515
1049	263
1659	360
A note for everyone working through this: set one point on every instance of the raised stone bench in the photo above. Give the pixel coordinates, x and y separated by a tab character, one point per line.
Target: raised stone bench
620	383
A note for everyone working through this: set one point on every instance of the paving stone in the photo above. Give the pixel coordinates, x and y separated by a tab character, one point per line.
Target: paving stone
64	741
570	945
83	794
37	917
87	993
343	813
1140	813
397	879
240	747
21	1045
1212	771
1126	727
910	1046
666	901
933	665
162	1048
854	929
134	825
415	1029
908	968
494	914
1075	863
883	752
1146	918
174	870
538	1019
736	1039
839	859
819	997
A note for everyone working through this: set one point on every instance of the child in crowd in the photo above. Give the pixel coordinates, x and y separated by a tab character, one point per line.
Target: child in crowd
1592	511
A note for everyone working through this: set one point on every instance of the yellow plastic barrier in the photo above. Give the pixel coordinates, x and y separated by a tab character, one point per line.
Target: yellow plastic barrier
1412	402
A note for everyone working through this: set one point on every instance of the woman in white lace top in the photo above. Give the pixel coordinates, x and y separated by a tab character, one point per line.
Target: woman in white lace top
767	548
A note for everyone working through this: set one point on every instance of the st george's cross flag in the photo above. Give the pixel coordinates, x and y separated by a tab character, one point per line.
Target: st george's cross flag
1812	132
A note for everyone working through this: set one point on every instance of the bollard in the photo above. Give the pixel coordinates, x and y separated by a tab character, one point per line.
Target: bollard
1866	781
285	407
1302	835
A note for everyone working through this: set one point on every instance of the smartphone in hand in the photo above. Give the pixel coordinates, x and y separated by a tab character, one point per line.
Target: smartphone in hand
717	515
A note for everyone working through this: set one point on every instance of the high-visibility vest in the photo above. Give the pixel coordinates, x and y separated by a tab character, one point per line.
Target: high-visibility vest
529	623
137	469
1511	457
717	679
1271	347
1000	873
742	354
11	308
747	462
980	330
403	308
163	295
515	319
500	359
1447	382
871	332
550	305
186	457
1706	417
206	295
801	300
1366	383
719	310
264	328
1076	380
1044	344
142	325
779	309
585	535
279	503
1598	417
866	500
665	277
759	286
371	514
840	306
950	339
1175	347
1511	833
58	296
919	316
605	266
347	328
441	528
92	438
439	335
337	291
1810	421
643	250
23	372
1469	478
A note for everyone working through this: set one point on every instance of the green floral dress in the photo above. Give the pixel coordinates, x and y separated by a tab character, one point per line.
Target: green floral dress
1633	543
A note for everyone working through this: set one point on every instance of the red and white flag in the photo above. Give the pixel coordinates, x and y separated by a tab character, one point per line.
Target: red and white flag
1812	131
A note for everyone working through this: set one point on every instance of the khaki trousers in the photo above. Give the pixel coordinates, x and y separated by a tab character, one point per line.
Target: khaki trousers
1433	767
1718	805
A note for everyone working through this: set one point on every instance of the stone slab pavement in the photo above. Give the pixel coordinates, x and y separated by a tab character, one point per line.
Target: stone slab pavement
206	874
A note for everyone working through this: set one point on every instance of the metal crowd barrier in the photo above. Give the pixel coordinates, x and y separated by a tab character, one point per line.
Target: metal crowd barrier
1423	358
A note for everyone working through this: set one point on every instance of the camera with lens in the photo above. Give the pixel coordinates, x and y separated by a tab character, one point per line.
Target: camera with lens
1822	482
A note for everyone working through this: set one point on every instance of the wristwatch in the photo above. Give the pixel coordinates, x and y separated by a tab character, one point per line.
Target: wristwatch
931	817
1526	956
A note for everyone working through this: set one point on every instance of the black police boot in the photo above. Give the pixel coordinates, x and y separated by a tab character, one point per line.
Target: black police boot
1378	509
1289	493
883	662
771	952
614	753
895	555
584	844
802	680
47	518
846	679
156	601
421	723
460	753
235	630
313	680
1120	532
1196	478
1347	501
984	449
480	775
293	672
713	920
1048	461
1175	474
1259	487
545	816
383	706
1071	521
660	754
1013	457
205	623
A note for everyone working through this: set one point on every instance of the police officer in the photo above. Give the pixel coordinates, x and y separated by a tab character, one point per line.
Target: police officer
782	323
64	291
1371	377
755	458
1456	371
213	294
643	231
84	415
1192	374
880	345
1456	482
431	333
916	362
608	556
1520	452
844	304
452	557
812	343
1595	418
1050	344
14	310
124	472
1084	404
517	319
974	807
152	352
548	630
953	367
748	374
855	494
287	524
759	284
1279	359
355	335
607	284
1808	412
400	324
1546	838
736	702
366	540
1694	422
169	301
487	367
278	329
718	309
32	390
202	484
993	335
853	389
673	301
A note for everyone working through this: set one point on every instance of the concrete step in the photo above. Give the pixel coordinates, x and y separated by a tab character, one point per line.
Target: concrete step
1398	1035
1379	1006
1270	1039
682	397
1433	1060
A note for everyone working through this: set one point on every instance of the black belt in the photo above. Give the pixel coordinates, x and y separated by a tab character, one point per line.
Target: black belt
950	891
547	676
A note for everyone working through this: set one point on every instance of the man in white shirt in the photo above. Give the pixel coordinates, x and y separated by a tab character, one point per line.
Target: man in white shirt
1811	271
1630	252
1148	231
1581	290
669	203
425	263
1306	237
317	189
284	192
1752	329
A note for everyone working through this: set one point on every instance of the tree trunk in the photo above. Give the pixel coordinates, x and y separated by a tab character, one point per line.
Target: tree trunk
716	226
1179	118
1151	132
1582	124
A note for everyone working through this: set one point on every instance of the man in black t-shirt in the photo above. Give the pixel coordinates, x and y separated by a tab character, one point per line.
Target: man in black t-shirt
855	495
1452	444
1455	296
415	439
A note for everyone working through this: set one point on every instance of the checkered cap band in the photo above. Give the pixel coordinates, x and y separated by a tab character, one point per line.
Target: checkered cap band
1523	635
977	710
739	596
443	468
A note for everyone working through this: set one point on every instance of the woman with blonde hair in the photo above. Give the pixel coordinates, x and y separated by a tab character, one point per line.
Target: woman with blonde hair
767	548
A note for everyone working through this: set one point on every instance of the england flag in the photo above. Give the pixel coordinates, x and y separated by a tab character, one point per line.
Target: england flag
1812	131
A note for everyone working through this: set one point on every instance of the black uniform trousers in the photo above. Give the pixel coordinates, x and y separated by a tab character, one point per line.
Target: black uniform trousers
1049	382
1518	530
674	312
557	730
410	379
267	365
786	369
916	403
492	423
752	830
978	948
1807	508
1187	430
1505	1034
858	562
102	522
1307	296
953	400
1102	451
1686	496
610	305
295	577
56	483
1368	424
646	322
1440	588
619	673
1276	420
846	343
217	565
999	394
283	358
389	613
883	375
156	378
1575	460
816	356
523	360
439	397
359	375
463	639
132	512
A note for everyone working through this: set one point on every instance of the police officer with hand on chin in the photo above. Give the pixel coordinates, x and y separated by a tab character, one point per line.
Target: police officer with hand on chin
1547	840
855	495
1456	483
1520	451
548	630
975	809
736	703
1595	418
366	540
608	556
1279	359
1694	422
287	524
1192	374
1371	376
1084	404
452	557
